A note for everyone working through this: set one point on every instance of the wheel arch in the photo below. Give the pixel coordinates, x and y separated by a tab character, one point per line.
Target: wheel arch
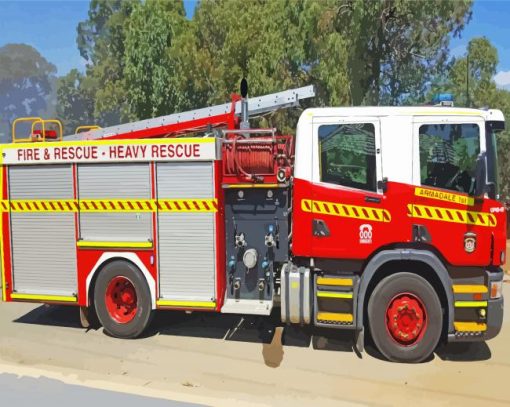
375	271
132	258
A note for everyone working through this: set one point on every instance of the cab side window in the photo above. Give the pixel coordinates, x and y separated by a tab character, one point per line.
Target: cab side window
347	155
448	154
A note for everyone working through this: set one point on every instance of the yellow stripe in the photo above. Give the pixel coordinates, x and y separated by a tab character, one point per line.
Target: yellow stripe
334	317
37	297
2	265
328	294
130	245
452	215
470	289
346	211
110	205
470	304
186	304
344	282
49	144
470	326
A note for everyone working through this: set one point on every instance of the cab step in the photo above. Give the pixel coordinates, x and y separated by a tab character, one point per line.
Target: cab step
335	300
334	318
470	326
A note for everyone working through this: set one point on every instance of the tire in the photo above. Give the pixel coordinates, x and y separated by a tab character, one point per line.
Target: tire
122	300
405	318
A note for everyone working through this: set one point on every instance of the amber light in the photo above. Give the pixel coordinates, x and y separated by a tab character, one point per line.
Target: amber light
496	289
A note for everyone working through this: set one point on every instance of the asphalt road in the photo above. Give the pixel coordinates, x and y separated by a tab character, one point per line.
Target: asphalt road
226	360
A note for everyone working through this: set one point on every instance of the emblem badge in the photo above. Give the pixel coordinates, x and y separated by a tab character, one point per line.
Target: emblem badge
470	242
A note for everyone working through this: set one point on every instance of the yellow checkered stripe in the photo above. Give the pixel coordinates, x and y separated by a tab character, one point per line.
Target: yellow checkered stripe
110	205
452	215
346	211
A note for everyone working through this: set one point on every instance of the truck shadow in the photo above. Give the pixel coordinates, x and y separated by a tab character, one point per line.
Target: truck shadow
268	331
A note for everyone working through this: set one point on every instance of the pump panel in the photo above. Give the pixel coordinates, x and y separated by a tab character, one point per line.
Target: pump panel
256	240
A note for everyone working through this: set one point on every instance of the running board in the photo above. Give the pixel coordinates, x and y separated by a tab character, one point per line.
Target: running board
249	307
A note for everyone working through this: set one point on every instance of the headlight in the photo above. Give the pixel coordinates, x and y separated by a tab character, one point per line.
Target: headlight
496	289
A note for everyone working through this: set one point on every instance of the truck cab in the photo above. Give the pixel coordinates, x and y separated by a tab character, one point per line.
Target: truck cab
383	191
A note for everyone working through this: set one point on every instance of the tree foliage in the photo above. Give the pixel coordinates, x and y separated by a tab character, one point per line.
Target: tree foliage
26	79
146	58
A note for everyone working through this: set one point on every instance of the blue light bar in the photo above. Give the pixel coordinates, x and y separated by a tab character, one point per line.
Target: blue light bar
442	97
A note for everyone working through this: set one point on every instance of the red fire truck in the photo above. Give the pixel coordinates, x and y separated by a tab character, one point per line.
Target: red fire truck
377	219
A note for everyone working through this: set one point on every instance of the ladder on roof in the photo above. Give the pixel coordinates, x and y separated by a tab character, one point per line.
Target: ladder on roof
200	119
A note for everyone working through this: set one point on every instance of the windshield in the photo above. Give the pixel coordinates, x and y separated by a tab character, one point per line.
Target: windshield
493	175
448	154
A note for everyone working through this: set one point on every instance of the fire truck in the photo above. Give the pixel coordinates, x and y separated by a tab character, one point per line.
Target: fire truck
378	220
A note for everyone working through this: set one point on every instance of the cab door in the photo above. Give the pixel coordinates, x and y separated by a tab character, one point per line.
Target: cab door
349	218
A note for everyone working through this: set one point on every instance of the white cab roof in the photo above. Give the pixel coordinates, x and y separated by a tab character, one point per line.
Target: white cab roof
384	111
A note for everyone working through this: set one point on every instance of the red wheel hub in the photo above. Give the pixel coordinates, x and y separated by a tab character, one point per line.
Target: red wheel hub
406	319
121	301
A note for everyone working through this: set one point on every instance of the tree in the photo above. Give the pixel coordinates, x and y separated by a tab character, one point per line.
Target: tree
76	103
148	67
101	41
146	59
26	81
483	59
478	67
395	46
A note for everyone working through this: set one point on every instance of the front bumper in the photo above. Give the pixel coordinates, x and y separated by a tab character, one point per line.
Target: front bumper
494	321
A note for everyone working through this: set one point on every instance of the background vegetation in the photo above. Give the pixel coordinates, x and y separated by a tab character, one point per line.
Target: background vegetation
145	59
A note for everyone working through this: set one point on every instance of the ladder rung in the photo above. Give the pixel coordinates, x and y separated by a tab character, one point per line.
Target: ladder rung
334	317
342	282
470	326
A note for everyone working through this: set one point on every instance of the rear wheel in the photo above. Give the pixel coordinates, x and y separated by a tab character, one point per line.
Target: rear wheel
405	317
122	300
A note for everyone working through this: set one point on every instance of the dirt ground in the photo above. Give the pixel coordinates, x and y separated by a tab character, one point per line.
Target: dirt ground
225	360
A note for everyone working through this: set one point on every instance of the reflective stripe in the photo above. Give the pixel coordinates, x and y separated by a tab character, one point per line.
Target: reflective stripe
130	245
43	298
470	304
329	294
186	304
346	211
334	317
344	282
470	326
452	215
110	205
470	289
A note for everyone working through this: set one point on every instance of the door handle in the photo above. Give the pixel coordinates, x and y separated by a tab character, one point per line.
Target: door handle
372	199
320	229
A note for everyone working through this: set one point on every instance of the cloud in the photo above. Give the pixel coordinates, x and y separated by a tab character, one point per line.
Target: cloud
502	79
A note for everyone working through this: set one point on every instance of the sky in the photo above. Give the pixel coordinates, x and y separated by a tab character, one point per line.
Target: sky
50	27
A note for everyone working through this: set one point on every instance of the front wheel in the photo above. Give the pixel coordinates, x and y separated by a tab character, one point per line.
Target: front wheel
122	300
405	318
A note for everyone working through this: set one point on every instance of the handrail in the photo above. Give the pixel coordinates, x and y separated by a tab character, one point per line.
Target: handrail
80	129
36	121
58	123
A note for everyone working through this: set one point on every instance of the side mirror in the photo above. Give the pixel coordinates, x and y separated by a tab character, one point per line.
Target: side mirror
383	185
480	175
